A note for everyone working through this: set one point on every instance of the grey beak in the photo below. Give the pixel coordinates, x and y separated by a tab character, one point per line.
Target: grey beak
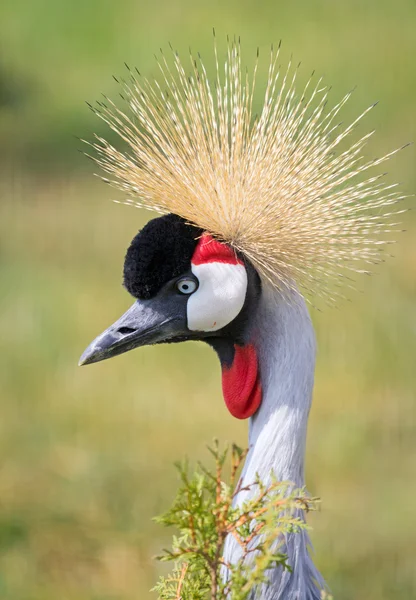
143	324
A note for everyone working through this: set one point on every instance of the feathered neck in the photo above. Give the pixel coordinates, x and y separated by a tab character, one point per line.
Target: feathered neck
284	338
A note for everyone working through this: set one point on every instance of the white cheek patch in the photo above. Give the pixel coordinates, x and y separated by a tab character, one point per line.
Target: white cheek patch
219	297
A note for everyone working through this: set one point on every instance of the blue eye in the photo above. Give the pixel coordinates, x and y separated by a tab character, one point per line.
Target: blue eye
186	285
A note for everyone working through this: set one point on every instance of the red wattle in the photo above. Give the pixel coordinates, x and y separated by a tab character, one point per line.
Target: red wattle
241	383
211	250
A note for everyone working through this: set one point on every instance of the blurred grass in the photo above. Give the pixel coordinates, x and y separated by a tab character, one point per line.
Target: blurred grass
86	454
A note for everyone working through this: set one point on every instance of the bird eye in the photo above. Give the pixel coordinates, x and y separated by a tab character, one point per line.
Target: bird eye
186	285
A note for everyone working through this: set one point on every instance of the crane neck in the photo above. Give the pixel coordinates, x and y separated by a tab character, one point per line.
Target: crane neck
284	340
283	336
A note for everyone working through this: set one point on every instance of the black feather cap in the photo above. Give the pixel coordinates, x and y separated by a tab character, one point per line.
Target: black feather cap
162	250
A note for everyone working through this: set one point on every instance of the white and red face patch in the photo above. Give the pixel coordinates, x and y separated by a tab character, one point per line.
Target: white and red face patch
222	287
217	302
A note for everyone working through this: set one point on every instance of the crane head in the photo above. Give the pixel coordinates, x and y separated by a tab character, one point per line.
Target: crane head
187	286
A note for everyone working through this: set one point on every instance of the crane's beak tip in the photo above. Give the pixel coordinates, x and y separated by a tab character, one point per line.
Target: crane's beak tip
86	358
98	350
82	361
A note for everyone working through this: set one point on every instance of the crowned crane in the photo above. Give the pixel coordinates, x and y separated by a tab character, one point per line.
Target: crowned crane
254	209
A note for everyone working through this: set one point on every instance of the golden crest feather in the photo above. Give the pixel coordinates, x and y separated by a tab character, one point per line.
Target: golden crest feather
278	187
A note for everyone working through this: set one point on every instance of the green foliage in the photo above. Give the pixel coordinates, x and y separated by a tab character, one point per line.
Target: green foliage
204	513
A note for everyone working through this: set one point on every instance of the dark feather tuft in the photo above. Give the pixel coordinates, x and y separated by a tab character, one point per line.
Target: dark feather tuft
162	250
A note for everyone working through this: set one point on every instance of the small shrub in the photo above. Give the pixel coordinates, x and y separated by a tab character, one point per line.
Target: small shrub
204	513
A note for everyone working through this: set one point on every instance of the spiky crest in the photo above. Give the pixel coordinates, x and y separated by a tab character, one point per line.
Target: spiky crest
276	187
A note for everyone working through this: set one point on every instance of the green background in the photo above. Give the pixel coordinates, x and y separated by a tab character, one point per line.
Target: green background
86	454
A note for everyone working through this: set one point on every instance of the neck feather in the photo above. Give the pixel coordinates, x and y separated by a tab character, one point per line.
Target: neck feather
284	339
285	342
